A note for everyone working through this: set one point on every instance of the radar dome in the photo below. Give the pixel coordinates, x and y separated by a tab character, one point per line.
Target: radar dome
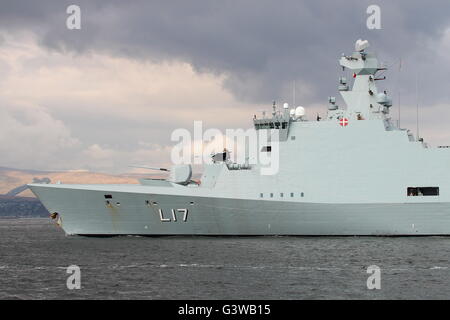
382	98
299	112
181	173
360	45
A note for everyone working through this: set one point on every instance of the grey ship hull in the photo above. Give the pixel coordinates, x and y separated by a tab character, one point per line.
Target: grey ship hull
84	214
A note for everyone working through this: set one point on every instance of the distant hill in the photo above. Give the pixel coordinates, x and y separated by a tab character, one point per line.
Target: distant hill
12	181
21	207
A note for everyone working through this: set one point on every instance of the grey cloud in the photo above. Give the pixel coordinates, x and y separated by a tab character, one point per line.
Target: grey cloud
262	45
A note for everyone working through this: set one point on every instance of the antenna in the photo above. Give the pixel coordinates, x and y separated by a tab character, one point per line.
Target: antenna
417	103
150	168
398	88
293	95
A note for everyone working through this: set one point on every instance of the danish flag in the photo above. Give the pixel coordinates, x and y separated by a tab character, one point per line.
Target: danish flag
343	122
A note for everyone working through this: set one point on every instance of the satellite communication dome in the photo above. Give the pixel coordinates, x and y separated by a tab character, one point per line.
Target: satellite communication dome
382	98
181	173
360	45
299	112
286	105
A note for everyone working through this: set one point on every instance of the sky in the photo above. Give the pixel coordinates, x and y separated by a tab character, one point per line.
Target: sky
109	95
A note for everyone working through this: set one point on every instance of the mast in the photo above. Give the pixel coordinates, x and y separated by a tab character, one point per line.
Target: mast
417	104
398	88
293	95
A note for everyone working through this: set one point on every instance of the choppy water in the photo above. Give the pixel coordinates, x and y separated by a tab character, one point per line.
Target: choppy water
34	255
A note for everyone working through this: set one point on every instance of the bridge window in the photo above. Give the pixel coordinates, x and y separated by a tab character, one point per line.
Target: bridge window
302	194
284	125
292	194
281	194
261	195
422	191
266	149
292	137
271	195
108	196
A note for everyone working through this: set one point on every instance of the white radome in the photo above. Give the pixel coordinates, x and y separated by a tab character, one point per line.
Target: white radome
299	112
360	45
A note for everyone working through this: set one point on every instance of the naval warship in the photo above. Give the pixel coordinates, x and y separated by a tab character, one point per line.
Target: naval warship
354	172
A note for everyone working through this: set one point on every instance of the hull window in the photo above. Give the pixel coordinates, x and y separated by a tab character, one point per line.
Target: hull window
422	191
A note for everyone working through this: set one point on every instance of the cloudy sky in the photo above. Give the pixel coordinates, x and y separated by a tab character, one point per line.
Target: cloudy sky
110	94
